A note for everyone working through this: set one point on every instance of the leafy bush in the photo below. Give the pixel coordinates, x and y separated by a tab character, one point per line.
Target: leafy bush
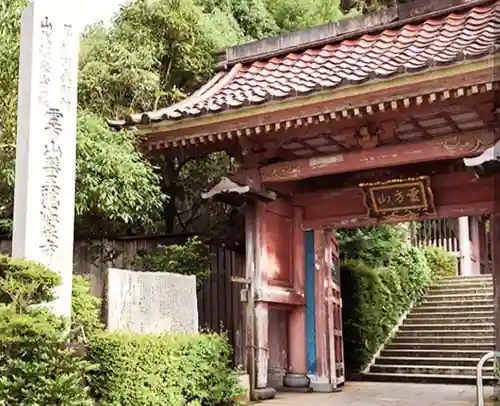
441	262
374	300
36	367
375	246
190	258
85	312
167	369
361	289
24	283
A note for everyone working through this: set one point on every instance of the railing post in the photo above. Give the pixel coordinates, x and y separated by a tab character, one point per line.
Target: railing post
479	375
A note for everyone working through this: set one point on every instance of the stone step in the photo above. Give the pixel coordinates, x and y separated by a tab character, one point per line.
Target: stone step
450	339
430	361
454	307
437	290
444	315
431	369
452	328
461	287
471	302
435	353
466	335
467	278
426	378
464	282
423	320
483	347
460	298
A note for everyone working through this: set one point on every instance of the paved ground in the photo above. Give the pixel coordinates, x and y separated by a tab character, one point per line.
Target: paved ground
386	394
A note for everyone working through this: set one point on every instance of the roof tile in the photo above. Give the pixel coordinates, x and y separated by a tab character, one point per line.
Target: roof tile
471	34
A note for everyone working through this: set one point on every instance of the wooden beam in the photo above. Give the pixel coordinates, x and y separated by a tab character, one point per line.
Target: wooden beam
455	195
439	148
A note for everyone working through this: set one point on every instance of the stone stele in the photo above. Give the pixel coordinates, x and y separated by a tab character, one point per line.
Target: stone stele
151	302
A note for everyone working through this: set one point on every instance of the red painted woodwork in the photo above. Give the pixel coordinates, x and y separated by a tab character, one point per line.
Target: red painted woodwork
277	221
278	346
281	295
321	284
495	240
337	364
297	316
456	194
438	148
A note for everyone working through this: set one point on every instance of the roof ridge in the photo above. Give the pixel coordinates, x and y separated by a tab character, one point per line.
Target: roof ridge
388	18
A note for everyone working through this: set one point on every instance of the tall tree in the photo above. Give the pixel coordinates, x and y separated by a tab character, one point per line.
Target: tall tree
116	184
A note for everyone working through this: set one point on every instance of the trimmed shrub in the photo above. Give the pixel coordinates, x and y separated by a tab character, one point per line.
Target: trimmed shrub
375	299
24	283
166	369
441	262
85	309
361	289
36	367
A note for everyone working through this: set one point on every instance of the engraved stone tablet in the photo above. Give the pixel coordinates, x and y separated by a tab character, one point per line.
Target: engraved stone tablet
151	302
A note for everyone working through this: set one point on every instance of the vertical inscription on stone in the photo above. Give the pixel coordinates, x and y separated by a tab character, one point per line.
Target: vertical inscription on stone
43	223
51	191
45	61
67	64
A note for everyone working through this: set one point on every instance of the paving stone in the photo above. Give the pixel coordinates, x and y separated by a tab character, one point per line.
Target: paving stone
385	394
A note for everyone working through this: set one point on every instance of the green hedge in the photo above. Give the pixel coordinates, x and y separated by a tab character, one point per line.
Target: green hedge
441	262
43	360
36	366
154	370
374	299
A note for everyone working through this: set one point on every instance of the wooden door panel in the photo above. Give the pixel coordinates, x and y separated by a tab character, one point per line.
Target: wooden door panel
337	350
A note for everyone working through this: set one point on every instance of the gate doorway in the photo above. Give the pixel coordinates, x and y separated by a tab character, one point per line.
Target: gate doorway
323	125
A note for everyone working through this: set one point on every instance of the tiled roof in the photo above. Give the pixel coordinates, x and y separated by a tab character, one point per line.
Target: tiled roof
412	48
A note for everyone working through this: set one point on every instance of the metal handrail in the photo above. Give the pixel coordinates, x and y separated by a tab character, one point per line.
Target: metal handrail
479	375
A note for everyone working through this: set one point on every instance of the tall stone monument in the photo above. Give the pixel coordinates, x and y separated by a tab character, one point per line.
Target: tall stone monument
46	142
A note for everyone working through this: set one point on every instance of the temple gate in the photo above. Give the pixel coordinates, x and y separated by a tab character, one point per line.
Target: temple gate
355	123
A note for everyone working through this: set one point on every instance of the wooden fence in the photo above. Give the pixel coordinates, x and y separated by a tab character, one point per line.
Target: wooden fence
441	233
219	305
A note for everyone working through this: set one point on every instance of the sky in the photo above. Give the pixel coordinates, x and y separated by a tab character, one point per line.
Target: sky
92	11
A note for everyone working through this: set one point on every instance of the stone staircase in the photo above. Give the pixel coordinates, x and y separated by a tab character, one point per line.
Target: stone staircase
443	338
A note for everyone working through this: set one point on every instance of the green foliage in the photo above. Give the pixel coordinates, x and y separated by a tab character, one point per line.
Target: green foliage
115	181
157	370
190	258
441	262
375	246
36	367
360	287
25	283
85	309
375	298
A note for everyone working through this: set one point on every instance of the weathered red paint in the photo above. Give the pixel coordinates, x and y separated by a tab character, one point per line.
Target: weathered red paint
438	148
456	194
278	345
297	316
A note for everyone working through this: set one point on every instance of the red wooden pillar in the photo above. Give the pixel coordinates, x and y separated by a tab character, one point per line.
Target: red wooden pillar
261	308
495	242
297	320
320	243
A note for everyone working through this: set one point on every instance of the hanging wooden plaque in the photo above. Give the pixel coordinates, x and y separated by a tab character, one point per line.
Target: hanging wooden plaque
399	198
